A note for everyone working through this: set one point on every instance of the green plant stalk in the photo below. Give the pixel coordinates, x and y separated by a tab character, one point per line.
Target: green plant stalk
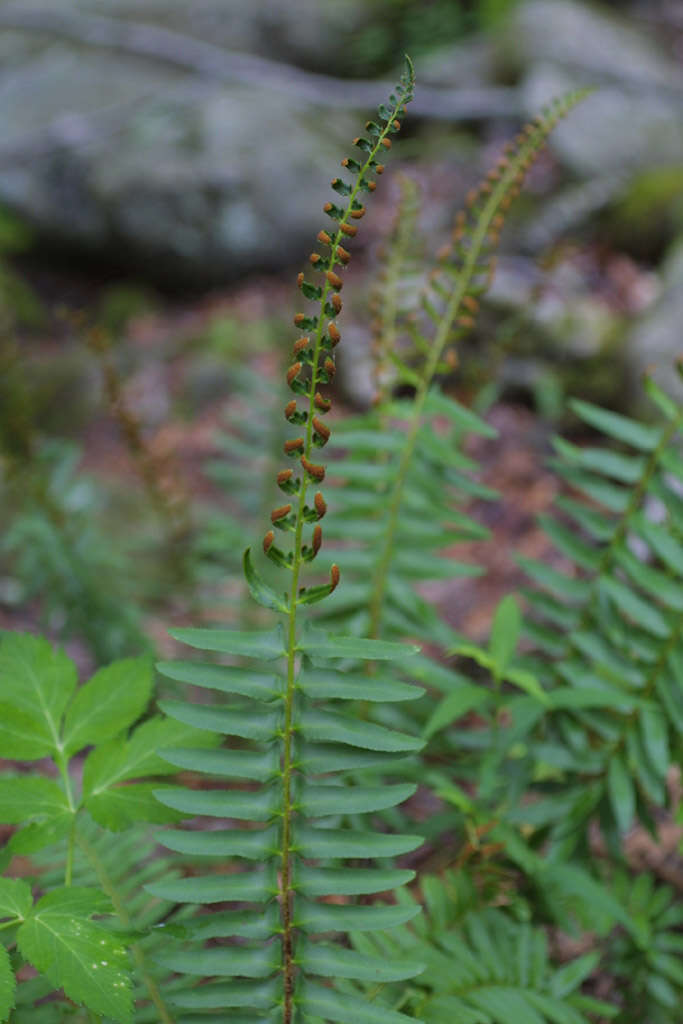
286	891
465	277
137	952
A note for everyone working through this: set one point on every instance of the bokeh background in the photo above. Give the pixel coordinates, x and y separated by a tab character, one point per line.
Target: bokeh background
163	165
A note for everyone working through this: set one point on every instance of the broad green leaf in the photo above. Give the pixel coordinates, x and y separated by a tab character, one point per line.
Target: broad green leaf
619	427
242	764
250	887
327	727
349	881
320	645
227	961
569	977
15	898
122	759
324	843
335	962
23	737
326	1003
347	917
108	703
266	645
251	725
36	679
233	842
225	678
7	984
454	705
504	1003
507	624
319	801
81	957
39	834
248	805
621	793
262	593
23	797
117	809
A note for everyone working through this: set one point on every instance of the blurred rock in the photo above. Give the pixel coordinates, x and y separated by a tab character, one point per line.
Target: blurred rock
657	342
634	118
175	177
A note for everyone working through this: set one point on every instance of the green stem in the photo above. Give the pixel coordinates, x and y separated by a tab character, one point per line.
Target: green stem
136	950
63	766
441	338
286	890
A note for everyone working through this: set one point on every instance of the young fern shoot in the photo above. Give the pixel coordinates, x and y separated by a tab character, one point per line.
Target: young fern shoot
302	801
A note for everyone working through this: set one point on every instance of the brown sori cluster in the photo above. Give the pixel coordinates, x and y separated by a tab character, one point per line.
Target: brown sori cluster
531	139
312	364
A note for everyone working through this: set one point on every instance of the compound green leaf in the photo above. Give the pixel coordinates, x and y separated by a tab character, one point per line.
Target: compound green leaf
36	679
84	959
7	984
108	703
23	736
23	797
117	809
266	645
122	759
15	898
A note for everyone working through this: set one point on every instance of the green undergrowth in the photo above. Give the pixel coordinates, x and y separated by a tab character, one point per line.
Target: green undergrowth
345	809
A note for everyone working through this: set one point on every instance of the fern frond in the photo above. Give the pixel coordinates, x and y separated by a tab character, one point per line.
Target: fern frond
614	672
298	755
483	965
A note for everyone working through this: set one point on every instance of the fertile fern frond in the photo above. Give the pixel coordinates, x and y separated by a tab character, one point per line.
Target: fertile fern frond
609	623
414	464
292	748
